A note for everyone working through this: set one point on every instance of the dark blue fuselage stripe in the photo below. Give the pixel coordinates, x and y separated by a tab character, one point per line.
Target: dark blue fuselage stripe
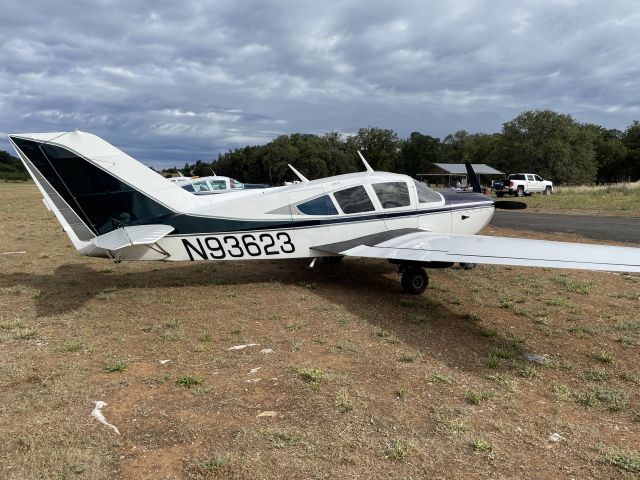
247	226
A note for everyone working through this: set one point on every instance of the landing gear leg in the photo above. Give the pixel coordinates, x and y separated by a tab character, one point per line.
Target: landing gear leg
414	279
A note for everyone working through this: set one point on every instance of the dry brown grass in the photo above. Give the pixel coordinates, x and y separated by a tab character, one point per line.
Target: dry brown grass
67	322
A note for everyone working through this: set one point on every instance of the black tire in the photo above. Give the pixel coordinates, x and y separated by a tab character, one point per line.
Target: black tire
520	192
547	191
332	260
414	280
468	266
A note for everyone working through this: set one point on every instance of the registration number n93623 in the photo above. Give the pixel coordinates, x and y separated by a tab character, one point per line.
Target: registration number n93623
219	247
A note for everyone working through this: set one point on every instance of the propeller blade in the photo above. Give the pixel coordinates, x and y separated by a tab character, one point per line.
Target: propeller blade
509	205
473	178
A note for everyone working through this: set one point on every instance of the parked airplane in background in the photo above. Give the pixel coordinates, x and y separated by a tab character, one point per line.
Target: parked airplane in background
112	206
212	185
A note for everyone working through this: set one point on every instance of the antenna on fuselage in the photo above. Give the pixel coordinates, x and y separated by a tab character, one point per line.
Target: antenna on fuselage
366	164
302	178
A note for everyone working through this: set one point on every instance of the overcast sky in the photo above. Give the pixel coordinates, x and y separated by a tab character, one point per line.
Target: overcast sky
170	81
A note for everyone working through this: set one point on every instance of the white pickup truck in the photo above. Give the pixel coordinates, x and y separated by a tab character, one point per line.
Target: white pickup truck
521	184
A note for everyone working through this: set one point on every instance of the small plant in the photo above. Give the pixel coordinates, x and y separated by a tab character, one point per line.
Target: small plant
282	438
482	446
311	375
527	371
454	426
408	357
293	327
27	334
560	391
474	317
574	286
476	398
401	393
491	361
631	376
398	450
343	402
189	381
175	323
200	348
205	337
501	353
504	381
627	460
438	378
211	465
118	366
72	345
605	357
344	320
11	325
385	335
586	399
597	375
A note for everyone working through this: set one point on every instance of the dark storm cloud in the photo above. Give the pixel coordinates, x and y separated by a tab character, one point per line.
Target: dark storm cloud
171	82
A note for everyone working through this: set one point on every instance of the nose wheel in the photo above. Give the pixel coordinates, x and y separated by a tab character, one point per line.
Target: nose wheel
414	280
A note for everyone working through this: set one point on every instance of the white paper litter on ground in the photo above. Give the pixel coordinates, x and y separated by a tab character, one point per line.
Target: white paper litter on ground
254	370
266	350
97	414
163	362
241	347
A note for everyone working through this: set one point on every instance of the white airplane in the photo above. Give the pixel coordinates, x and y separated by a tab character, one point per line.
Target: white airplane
112	206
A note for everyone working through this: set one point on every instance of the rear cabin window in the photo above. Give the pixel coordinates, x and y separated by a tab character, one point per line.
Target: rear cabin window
218	184
392	194
354	200
425	194
318	206
236	183
515	177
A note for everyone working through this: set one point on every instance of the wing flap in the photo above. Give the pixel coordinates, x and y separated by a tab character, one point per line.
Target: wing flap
431	247
129	236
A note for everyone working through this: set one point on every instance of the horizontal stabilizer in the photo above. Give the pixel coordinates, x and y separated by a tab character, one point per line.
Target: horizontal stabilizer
432	247
129	236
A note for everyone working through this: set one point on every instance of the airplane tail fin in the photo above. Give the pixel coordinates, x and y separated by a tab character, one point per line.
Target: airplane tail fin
93	188
473	178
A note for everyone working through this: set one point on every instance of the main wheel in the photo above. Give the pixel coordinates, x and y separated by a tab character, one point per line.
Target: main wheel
547	191
520	192
414	280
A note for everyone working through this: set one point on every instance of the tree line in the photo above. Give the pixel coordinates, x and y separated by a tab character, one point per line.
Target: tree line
548	143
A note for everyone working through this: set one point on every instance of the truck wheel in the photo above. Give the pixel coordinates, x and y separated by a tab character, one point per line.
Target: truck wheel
520	192
547	191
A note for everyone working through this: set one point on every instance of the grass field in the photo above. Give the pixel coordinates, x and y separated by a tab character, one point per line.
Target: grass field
619	199
362	381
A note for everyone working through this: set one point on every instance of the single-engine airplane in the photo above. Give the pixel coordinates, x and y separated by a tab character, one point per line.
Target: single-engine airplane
112	206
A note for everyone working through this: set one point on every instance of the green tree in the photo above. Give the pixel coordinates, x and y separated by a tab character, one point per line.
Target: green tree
550	144
418	152
11	168
380	147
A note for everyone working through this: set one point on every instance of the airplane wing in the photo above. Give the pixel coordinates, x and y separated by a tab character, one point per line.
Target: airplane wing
417	246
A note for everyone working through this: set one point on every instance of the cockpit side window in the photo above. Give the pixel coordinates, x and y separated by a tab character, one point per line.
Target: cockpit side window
425	194
392	194
354	200
218	184
236	183
200	186
318	206
189	188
